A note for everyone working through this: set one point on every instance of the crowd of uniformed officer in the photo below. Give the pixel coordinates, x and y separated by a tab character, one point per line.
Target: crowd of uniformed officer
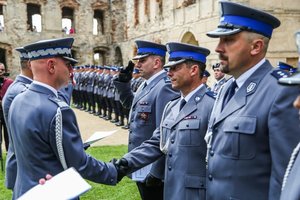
94	92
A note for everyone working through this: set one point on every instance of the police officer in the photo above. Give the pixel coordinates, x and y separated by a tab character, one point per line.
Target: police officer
184	124
205	76
45	135
146	105
291	183
136	80
249	141
19	85
107	93
219	76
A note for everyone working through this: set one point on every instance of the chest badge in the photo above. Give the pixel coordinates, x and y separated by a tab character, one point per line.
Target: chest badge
251	87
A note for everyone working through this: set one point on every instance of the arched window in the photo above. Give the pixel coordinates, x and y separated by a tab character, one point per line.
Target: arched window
118	57
189	38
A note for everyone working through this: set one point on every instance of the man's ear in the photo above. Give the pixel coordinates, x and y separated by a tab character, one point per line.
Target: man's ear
51	66
195	70
257	46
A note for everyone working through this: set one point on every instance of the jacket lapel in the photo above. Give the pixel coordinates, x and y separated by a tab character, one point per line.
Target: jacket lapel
240	98
190	106
139	95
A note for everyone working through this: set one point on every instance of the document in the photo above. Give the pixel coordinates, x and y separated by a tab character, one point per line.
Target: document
65	185
141	174
98	136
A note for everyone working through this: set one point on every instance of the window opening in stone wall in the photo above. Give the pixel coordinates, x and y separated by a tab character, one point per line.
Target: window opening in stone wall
67	21
99	58
1	19
98	22
118	57
34	22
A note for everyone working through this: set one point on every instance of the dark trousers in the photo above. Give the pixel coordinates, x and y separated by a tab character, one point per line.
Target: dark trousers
4	130
150	193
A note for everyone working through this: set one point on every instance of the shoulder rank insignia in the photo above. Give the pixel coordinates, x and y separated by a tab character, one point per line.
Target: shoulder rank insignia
211	94
190	117
279	73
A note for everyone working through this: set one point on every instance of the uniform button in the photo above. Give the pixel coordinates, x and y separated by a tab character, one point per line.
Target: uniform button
210	177
170	168
211	152
236	127
129	142
187	125
172	141
170	155
132	120
112	180
216	129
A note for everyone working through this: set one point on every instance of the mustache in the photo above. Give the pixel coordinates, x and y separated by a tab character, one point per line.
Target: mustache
222	57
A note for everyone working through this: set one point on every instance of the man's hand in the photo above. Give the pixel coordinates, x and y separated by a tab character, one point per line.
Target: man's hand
122	167
126	74
42	181
152	181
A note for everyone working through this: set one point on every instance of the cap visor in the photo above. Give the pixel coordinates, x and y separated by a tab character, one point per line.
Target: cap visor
292	80
172	63
222	32
72	60
140	56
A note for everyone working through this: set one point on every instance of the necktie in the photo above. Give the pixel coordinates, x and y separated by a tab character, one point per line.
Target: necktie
182	103
229	93
145	84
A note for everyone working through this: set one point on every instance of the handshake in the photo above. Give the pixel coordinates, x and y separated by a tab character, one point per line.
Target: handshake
123	169
121	166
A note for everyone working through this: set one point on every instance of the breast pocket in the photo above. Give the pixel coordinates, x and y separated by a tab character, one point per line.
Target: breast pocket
239	137
188	133
144	114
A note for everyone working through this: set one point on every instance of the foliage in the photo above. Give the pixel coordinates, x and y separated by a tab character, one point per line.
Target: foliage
126	189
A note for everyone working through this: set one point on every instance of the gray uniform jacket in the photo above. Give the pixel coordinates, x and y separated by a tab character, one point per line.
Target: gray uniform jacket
146	110
252	139
218	85
185	166
291	190
19	85
34	138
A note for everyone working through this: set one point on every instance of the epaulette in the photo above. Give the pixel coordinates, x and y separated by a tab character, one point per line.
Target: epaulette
211	94
279	73
58	101
167	79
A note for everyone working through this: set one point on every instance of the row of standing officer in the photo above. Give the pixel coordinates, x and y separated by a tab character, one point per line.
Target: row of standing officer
95	92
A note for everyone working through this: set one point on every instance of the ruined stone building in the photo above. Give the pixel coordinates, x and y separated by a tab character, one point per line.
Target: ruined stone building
105	30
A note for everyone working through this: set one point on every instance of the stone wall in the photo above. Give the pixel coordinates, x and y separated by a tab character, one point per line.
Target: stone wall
125	21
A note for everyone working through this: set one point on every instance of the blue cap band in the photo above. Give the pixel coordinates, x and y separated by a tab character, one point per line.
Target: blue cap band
154	51
188	55
257	26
